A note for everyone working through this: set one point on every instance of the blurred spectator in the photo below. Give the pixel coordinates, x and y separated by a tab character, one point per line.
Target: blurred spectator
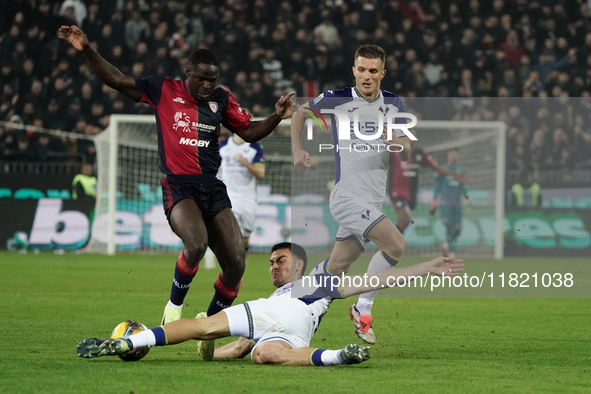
24	151
513	50
326	35
78	7
558	152
548	62
136	30
272	66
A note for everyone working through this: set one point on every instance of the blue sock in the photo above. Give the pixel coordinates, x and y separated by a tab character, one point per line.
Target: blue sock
160	336
316	357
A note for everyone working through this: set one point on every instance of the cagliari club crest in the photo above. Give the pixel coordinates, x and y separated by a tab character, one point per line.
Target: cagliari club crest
213	106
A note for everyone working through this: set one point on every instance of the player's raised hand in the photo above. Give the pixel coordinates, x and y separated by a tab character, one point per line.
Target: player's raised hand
74	36
284	106
301	159
447	266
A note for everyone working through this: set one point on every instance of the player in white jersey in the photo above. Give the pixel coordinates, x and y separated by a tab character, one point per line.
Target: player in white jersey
242	164
361	176
278	329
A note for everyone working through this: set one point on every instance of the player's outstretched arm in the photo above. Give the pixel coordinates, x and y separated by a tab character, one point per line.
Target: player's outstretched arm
236	349
389	278
444	171
301	158
260	129
108	73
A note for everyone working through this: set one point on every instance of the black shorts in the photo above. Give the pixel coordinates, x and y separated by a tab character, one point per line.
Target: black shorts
400	202
206	190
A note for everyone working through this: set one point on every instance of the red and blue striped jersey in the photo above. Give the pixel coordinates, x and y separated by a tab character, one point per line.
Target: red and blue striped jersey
188	129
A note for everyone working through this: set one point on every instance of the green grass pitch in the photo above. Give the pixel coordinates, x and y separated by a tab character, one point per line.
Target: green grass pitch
432	345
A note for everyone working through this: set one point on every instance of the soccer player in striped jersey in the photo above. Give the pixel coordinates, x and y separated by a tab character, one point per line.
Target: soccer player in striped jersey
188	117
275	330
450	194
359	192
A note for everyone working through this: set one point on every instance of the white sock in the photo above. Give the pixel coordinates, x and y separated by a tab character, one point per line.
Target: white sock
143	339
364	304
171	305
377	264
330	357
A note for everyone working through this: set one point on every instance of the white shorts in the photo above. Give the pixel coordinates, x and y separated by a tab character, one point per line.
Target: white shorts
246	215
355	217
273	319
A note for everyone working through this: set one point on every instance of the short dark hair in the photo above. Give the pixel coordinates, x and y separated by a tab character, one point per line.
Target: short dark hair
370	51
296	250
203	56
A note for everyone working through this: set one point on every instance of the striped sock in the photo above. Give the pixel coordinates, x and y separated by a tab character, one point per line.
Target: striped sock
223	297
320	357
183	276
154	337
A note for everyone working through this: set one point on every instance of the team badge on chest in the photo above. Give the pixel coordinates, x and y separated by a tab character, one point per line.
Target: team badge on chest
213	106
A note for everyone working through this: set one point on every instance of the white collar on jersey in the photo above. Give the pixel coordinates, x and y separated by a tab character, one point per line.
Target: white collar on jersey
357	93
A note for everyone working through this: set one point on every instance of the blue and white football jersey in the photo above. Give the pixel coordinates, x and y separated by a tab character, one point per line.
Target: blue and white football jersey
361	166
240	182
316	299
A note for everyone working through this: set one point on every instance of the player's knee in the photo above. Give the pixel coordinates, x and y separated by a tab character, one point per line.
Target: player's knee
396	248
194	251
246	243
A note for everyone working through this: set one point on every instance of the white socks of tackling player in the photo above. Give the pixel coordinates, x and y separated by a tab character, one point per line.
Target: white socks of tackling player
143	339
331	357
377	264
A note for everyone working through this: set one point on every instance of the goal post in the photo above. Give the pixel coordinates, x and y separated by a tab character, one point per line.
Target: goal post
499	128
128	186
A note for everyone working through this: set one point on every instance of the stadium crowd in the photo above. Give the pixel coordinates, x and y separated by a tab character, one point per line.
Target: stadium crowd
461	48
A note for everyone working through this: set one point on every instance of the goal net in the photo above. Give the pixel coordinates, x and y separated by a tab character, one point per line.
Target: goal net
129	215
